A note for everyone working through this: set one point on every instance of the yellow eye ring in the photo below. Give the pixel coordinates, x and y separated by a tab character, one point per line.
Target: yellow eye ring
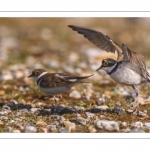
105	64
35	73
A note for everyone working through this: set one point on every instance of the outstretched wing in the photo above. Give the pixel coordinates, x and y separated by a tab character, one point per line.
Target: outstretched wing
105	43
99	39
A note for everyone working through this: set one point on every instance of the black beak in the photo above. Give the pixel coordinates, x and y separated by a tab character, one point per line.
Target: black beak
30	75
99	68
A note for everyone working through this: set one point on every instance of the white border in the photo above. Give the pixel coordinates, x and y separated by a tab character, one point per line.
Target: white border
74	14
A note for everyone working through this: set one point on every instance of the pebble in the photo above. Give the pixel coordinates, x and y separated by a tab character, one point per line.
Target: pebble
54	123
3	118
41	122
16	131
86	96
79	108
2	92
142	114
100	101
5	112
89	114
68	69
2	123
81	120
75	94
136	131
70	125
92	129
30	129
53	64
63	130
103	107
137	125
106	125
146	125
8	129
106	96
34	110
117	110
129	111
124	124
55	117
62	119
53	128
5	107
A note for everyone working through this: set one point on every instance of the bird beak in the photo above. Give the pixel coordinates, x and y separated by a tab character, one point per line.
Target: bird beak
99	68
30	75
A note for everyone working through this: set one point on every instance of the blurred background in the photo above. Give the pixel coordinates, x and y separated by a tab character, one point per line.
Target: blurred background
29	43
48	43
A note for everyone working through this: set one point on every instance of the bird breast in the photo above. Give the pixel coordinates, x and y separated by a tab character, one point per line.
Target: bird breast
124	75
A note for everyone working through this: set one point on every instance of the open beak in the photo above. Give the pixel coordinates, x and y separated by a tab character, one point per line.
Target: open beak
99	68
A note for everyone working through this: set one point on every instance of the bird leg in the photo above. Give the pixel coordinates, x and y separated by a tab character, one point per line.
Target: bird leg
55	100
60	95
136	100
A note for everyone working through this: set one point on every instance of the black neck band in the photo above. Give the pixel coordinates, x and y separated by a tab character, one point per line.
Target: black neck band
115	68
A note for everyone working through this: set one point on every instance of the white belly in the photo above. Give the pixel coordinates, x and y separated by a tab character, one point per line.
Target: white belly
56	90
126	76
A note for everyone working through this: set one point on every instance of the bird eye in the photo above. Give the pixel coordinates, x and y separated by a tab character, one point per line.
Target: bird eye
35	73
105	64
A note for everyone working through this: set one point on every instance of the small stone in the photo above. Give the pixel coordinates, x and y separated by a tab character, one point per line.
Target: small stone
55	123
5	112
2	92
34	110
136	131
75	94
106	96
137	125
30	129
16	131
92	129
70	125
81	120
142	114
117	110
62	119
89	114
63	130
103	107
53	128
107	125
146	125
124	124
22	101
13	101
2	123
79	108
8	129
140	100
45	130
102	116
129	111
41	122
40	104
53	64
100	101
3	118
5	107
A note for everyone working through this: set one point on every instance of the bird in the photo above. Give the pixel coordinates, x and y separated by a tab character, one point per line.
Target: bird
56	83
129	68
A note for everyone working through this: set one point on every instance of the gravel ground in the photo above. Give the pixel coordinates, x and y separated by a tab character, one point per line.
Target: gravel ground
98	106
